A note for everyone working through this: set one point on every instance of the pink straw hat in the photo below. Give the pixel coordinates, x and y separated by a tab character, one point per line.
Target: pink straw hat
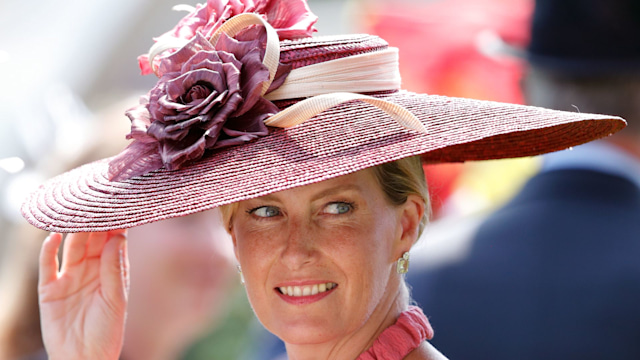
192	151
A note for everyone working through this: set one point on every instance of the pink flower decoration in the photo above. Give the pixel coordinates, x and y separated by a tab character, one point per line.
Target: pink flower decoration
292	19
206	98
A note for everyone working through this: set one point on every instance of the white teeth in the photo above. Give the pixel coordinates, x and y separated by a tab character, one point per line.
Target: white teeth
307	290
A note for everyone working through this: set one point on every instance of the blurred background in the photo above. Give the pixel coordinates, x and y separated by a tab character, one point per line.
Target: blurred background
69	71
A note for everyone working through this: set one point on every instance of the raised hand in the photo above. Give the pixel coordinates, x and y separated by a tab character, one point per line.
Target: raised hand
83	305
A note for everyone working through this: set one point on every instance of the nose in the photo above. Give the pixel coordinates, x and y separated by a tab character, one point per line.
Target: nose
299	247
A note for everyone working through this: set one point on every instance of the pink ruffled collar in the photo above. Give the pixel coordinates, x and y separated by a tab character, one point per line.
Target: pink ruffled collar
399	339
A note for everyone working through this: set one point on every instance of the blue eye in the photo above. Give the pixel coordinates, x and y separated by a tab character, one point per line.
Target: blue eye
266	211
338	208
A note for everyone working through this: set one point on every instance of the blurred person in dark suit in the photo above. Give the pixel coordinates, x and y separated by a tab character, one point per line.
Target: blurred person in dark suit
554	274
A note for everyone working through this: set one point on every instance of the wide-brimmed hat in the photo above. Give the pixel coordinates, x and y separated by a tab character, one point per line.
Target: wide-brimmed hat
221	126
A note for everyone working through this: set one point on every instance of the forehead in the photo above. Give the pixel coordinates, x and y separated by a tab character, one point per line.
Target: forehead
363	182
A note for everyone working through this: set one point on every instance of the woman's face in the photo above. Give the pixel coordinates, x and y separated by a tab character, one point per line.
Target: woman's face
318	259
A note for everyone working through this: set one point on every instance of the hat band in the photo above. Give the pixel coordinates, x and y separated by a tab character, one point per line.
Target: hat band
329	83
272	52
306	109
369	72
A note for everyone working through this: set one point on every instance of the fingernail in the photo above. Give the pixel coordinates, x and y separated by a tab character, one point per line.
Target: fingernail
121	232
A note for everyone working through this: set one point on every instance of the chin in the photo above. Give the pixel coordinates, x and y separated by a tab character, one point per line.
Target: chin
307	332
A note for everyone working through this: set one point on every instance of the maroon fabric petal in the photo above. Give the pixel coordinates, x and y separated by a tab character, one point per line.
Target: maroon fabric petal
281	75
158	131
254	74
248	126
253	119
174	155
221	11
230	106
202	59
137	159
205	98
246	40
140	121
165	106
180	130
175	61
292	19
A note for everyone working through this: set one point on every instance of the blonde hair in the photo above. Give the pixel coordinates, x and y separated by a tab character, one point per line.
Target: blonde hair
398	179
401	178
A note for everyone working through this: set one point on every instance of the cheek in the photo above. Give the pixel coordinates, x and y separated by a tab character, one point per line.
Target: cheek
252	244
255	252
367	261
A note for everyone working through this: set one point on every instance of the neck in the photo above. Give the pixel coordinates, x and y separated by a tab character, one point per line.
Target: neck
351	346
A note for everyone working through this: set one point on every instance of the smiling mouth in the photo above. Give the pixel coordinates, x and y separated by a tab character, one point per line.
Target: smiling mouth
307	290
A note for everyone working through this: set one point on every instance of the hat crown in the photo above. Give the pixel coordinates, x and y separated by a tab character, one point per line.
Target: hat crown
312	50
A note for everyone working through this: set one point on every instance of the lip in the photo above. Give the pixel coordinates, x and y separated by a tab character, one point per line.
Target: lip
302	300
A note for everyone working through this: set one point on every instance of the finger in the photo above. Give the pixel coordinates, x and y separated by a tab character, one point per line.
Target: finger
74	249
48	270
114	269
122	232
95	244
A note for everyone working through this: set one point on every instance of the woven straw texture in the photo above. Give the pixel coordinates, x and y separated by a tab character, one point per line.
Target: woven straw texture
309	51
344	139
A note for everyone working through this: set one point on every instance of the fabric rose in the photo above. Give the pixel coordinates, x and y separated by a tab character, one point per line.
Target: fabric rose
206	98
291	19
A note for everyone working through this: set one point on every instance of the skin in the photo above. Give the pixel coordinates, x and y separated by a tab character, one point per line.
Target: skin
86	299
341	230
180	271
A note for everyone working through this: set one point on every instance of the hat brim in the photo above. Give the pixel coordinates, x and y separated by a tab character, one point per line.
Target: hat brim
345	139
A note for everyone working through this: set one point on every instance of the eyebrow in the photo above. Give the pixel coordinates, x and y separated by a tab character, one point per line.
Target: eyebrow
320	195
336	190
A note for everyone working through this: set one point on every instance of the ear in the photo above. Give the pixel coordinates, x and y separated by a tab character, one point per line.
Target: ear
411	213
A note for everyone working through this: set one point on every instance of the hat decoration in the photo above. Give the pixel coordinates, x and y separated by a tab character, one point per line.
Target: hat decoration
292	19
211	94
239	113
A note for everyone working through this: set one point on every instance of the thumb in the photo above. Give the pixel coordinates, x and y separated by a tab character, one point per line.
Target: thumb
114	270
